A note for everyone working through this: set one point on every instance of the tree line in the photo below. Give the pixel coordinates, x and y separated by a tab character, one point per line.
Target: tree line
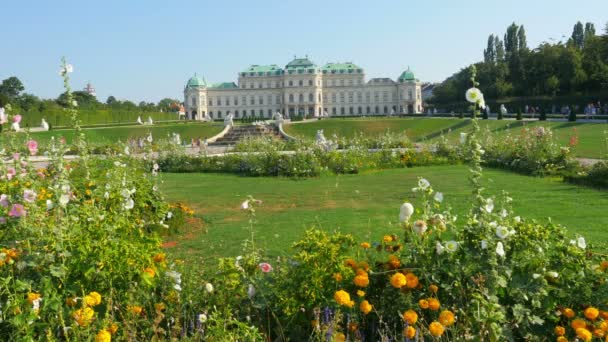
576	67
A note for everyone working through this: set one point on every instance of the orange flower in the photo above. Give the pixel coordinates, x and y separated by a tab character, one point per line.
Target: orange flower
604	314
361	280
135	309
387	238
598	333
365	245
562	339
569	313
83	316
150	271
364	266
436	329
351	263
423	303
159	307
433	288
604	326
410	316
365	307
578	323
343	298
113	328
337	277
103	336
584	334
434	304
409	332
398	280
32	297
160	257
446	317
393	261
592	313
92	299
412	280
604	265
340	337
559	330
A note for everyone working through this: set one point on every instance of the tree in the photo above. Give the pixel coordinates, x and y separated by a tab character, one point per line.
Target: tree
552	85
168	105
511	41
28	102
489	54
519	116
82	98
522	42
111	100
578	35
589	31
499	49
11	87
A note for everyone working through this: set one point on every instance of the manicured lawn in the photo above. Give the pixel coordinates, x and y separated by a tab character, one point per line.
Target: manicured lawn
114	134
591	136
365	205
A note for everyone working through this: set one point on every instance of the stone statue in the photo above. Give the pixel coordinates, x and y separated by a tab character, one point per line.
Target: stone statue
228	120
278	118
3	116
207	118
435	111
392	111
15	127
321	138
325	114
150	122
139	120
503	109
44	125
488	111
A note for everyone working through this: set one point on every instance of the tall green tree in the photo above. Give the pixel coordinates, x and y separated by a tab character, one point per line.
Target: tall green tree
499	49
578	35
522	42
489	54
11	87
111	100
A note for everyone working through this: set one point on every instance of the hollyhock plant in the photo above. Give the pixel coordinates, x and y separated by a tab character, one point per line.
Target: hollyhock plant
17	119
29	195
32	146
265	267
10	173
17	210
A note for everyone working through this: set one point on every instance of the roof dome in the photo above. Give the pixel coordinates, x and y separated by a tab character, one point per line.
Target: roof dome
407	75
195	82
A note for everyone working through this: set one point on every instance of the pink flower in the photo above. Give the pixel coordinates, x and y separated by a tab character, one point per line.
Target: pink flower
29	195
2	220
17	210
17	118
265	267
10	173
41	174
16	155
32	145
4	200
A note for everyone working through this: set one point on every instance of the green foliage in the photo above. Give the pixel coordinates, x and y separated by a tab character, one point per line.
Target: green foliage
572	116
11	87
543	114
596	176
519	116
499	115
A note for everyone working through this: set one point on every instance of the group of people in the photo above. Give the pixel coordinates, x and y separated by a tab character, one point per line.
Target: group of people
596	109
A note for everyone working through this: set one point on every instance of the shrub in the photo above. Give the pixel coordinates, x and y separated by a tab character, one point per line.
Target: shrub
499	116
519	115
572	116
596	176
543	114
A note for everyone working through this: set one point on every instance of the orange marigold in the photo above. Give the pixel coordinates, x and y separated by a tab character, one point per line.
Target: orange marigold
398	280
393	261
365	307
433	288
150	271
340	337
584	334
578	323
350	263
365	245
562	339
604	314
592	313
360	293
434	304
604	326
598	332
343	298
409	332
113	328
446	317
361	280
387	238
337	277
559	330
423	303
436	329
83	316
32	297
103	336
412	280
569	313
604	265
135	309
160	257
410	316
92	299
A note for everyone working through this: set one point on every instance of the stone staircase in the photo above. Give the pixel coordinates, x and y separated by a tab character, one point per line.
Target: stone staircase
238	133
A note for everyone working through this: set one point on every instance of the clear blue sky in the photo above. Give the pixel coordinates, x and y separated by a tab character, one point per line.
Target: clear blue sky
147	49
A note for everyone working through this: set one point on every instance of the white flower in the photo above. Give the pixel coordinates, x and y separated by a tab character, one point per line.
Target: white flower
423	183
155	167
169	215
49	204
419	227
74	103
438	197
517	219
129	204
154	188
209	288
177	287
64	200
535	275
484	244
500	250
127	152
106	195
489	206
502	232
553	274
149	138
473	95
245	205
451	246
504	213
463	138
405	212
202	318
29	195
482	103
125	193
69	68
580	242
439	248
251	291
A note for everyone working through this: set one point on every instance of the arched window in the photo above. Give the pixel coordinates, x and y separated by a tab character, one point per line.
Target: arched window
310	82
290	98
385	110
236	114
368	110
311	97
219	114
270	113
319	97
211	115
341	110
360	110
377	111
333	111
301	98
351	111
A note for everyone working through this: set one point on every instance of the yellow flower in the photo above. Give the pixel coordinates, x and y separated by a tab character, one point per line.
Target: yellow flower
361	279
604	326
33	296
398	280
446	317
434	304
159	307
365	245
393	261
409	332
598	333
412	280
410	316
559	330
423	303
387	238
158	258
103	336
343	298
584	334
562	339
150	271
113	328
365	307
433	288
83	316
135	309
92	299
337	276
436	329
569	313
340	337
578	323
592	313
360	293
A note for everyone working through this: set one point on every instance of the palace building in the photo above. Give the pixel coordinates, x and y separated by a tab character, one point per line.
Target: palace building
303	88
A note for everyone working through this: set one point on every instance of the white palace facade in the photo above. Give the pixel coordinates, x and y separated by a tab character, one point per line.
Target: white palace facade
303	88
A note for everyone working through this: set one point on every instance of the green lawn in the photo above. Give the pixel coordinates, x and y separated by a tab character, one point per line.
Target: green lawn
114	134
365	205
591	136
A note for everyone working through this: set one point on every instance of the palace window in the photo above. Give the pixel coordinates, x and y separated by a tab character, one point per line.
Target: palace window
202	100
227	101
311	97
385	96
409	95
251	85
319	97
301	83
194	101
350	82
290	83
290	98
342	82
219	101
359	110
261	100
278	100
309	83
261	113
268	85
350	97
269	99
385	110
270	113
236	114
367	98
252	100
333	111
219	114
236	100
341	97
341	110
376	97
260	85
351	111
301	98
244	100
359	98
276	84
210	101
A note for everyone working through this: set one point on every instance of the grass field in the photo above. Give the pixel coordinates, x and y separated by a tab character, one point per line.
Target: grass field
365	205
114	134
591	136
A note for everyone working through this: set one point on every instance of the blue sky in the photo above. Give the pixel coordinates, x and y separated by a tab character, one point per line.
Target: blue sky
147	49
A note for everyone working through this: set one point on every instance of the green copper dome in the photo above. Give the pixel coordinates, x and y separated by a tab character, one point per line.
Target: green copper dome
195	82
407	75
